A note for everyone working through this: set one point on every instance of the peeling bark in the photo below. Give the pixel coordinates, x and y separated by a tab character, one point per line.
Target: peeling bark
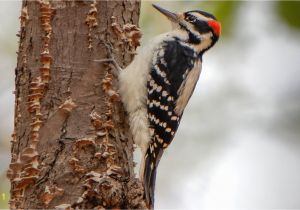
71	147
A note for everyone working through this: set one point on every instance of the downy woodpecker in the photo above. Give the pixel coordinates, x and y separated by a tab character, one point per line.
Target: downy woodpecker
156	87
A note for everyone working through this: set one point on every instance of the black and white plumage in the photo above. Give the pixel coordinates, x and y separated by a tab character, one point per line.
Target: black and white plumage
156	87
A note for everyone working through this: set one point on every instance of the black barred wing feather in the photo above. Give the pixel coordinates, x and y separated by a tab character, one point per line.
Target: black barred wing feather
170	67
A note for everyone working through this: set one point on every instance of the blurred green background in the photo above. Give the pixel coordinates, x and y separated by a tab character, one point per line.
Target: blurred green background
238	146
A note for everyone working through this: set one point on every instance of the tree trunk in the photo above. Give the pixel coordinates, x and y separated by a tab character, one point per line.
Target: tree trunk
71	145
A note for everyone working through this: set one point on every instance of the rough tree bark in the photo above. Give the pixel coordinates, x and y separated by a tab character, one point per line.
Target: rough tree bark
71	147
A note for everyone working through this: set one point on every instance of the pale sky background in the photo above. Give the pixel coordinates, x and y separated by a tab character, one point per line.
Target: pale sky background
238	145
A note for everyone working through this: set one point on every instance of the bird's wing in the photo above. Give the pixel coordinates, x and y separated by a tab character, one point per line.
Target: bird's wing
167	79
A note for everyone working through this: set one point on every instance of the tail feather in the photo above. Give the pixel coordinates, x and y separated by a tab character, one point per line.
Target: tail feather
152	159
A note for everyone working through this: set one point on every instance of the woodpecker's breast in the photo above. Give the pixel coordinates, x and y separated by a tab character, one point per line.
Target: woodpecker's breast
171	81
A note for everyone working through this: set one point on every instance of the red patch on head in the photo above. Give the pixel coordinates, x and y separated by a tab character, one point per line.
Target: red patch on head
216	27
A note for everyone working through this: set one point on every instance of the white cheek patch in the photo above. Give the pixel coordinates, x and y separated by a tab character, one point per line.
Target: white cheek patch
200	17
206	41
191	28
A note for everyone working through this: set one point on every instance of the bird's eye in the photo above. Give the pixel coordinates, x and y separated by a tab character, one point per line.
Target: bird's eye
191	19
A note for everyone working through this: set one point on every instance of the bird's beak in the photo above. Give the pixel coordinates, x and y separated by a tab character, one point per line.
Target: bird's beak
170	15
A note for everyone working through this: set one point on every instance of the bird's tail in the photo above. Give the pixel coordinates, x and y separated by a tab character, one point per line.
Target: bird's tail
152	159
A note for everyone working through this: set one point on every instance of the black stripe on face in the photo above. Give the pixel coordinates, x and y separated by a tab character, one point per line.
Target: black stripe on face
205	14
200	25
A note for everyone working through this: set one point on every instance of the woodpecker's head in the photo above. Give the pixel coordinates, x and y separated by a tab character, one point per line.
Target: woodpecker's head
202	28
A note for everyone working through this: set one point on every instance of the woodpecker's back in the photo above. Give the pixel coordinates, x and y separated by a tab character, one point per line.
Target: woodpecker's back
156	87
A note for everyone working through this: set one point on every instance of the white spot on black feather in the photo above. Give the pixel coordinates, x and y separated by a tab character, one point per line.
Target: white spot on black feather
165	125
159	88
174	118
164	93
